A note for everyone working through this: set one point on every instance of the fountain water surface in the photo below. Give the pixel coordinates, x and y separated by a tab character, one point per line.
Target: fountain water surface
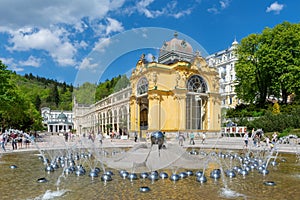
86	169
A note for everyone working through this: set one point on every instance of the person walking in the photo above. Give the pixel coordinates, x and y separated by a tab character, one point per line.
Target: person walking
203	137
100	137
192	138
246	140
267	140
274	138
252	133
66	136
2	140
135	136
14	141
20	140
181	139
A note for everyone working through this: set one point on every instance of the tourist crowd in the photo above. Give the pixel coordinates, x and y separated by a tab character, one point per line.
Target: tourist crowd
258	136
17	138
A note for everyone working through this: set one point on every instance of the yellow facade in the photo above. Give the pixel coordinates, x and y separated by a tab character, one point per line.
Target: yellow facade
165	97
178	92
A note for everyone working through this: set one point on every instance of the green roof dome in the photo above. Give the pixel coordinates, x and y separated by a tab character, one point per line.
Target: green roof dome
62	116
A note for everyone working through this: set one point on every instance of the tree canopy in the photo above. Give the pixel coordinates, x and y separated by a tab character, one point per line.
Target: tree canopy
22	97
268	64
16	110
89	93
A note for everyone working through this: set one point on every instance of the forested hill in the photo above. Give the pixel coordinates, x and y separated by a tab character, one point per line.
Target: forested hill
89	93
22	97
44	92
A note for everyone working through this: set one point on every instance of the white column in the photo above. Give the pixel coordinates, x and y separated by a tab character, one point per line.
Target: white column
118	119
208	112
128	119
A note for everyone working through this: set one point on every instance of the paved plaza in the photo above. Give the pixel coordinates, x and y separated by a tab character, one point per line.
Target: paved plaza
226	143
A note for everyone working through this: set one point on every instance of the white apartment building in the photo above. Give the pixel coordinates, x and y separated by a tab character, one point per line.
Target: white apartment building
225	61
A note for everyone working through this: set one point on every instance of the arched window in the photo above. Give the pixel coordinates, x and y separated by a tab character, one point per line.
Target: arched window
196	84
142	86
195	102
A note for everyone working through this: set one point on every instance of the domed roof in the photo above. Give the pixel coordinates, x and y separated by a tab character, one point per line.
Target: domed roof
175	50
62	116
234	42
176	44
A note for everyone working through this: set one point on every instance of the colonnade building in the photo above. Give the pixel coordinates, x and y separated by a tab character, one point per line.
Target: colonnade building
179	92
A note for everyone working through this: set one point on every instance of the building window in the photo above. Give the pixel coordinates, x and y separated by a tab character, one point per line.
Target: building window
194	102
142	86
196	84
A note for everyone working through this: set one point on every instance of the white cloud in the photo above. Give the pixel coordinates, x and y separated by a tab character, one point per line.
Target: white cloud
102	44
47	25
224	4
82	44
54	42
171	9
216	9
31	61
142	7
87	64
113	26
10	63
149	57
45	13
275	7
213	10
182	13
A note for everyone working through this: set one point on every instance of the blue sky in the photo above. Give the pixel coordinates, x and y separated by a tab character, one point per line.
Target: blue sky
77	41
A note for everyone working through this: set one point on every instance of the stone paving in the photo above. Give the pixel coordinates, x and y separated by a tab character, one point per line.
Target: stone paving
227	143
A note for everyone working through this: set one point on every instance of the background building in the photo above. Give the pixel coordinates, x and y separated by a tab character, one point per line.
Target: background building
180	92
57	121
111	114
224	61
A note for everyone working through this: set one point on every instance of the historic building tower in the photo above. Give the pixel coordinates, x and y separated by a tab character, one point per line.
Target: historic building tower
180	92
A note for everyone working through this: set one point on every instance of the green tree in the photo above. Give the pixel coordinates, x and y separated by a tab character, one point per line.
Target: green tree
269	64
37	102
8	96
285	45
122	83
85	94
55	95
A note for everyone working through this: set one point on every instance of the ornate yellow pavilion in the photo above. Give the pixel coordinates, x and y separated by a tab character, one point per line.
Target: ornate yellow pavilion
179	92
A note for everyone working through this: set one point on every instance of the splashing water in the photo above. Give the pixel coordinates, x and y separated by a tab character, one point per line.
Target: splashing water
227	193
51	194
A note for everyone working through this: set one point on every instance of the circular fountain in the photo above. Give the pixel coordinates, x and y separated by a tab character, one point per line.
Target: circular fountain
151	162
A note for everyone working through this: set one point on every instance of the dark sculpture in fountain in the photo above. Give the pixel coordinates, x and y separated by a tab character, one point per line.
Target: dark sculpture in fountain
158	138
